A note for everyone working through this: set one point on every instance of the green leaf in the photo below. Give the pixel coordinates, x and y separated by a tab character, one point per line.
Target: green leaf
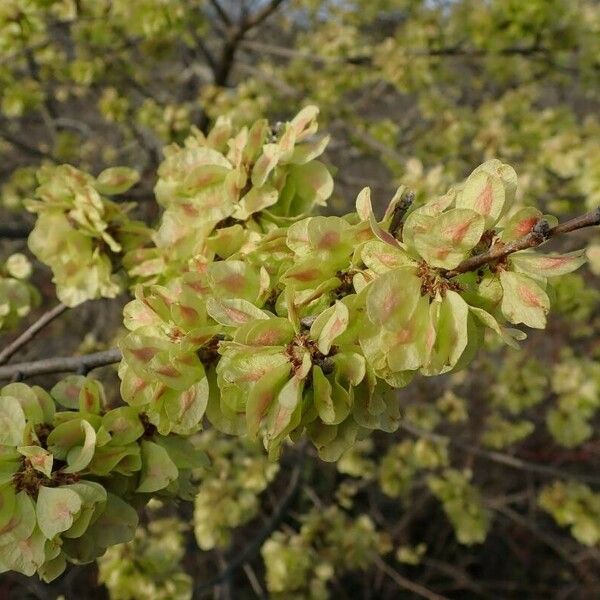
257	199
313	181
547	265
123	424
521	223
182	452
265	164
29	400
121	459
450	237
234	279
66	392
8	502
381	257
489	190
204	176
73	441
330	325
91	396
411	344
364	209
22	522
304	123
116	524
524	301
276	331
26	556
12	421
450	318
263	394
116	180
158	470
52	569
79	457
56	510
186	408
282	411
8	469
393	297
331	401
41	460
233	312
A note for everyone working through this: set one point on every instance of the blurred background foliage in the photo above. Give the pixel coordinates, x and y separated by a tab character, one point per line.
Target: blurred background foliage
490	487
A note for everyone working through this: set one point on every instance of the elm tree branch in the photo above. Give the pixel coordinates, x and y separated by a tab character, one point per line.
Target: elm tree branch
234	36
221	12
262	15
498	457
403	582
65	364
208	55
367	60
31	332
23	146
253	546
540	233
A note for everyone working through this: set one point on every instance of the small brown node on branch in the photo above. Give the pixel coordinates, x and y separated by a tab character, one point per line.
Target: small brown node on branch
149	428
541	230
42	430
433	283
303	341
346	286
209	353
486	240
29	480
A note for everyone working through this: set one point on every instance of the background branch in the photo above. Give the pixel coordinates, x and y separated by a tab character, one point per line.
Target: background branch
498	457
233	38
540	233
221	12
31	332
81	364
405	583
248	551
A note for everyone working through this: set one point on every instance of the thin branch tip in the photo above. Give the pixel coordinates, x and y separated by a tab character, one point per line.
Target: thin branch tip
31	332
64	364
542	229
539	234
